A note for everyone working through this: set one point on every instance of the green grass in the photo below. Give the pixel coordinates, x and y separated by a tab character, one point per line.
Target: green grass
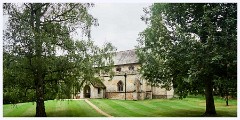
188	107
54	108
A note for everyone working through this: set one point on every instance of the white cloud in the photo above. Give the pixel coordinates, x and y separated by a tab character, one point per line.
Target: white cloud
119	23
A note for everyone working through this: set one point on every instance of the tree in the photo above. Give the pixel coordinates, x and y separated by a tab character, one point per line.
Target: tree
190	46
35	33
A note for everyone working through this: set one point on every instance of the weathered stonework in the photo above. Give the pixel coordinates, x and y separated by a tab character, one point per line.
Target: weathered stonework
136	87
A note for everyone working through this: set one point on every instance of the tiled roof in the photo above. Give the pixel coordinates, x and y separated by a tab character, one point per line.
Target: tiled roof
97	83
125	57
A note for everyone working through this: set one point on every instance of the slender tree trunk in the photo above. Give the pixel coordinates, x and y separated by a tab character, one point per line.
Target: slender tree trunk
210	107
227	98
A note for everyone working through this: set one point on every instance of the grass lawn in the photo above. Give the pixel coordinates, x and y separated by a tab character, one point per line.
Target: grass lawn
188	107
54	108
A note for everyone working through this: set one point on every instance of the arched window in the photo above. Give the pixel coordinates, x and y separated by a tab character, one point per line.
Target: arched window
120	86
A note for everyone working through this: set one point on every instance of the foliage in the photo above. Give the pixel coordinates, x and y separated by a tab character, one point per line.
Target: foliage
190	46
41	56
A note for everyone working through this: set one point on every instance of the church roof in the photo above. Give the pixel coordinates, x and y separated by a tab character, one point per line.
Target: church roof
125	57
97	83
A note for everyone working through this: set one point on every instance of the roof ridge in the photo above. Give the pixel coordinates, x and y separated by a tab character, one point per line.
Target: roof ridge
125	57
126	50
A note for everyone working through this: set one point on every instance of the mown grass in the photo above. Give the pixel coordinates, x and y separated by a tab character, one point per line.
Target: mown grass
54	108
188	107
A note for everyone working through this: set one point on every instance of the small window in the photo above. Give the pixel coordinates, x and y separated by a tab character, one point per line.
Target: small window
99	90
131	67
118	69
120	86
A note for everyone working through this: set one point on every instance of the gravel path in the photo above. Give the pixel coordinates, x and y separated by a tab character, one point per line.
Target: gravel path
97	109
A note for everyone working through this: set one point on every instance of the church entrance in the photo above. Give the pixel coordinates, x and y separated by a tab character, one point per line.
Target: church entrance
87	91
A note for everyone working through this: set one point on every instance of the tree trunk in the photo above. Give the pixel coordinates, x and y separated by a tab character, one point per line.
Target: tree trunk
227	101
210	107
227	98
40	108
39	78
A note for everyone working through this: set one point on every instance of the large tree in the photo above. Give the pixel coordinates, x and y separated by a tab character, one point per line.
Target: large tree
40	54
190	46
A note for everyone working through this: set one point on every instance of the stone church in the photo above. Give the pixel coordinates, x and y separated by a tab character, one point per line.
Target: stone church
126	83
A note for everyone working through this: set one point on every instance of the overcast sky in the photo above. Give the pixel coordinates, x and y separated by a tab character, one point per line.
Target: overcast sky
119	23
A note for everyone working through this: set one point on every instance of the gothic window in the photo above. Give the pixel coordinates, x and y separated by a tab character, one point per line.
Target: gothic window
131	67
120	86
118	69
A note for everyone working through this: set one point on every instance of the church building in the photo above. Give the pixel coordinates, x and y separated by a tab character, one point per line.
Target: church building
127	82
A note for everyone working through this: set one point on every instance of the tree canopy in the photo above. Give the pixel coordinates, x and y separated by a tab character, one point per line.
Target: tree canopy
190	46
35	34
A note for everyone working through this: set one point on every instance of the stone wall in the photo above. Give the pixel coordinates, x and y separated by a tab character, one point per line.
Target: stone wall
136	90
129	95
119	95
145	86
170	94
81	94
140	90
111	85
139	96
159	93
159	96
94	92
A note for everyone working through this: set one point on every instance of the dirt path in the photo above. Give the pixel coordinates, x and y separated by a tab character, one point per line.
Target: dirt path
97	109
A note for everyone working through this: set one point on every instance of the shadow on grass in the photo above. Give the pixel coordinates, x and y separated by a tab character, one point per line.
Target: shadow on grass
71	113
176	113
61	113
192	113
28	115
